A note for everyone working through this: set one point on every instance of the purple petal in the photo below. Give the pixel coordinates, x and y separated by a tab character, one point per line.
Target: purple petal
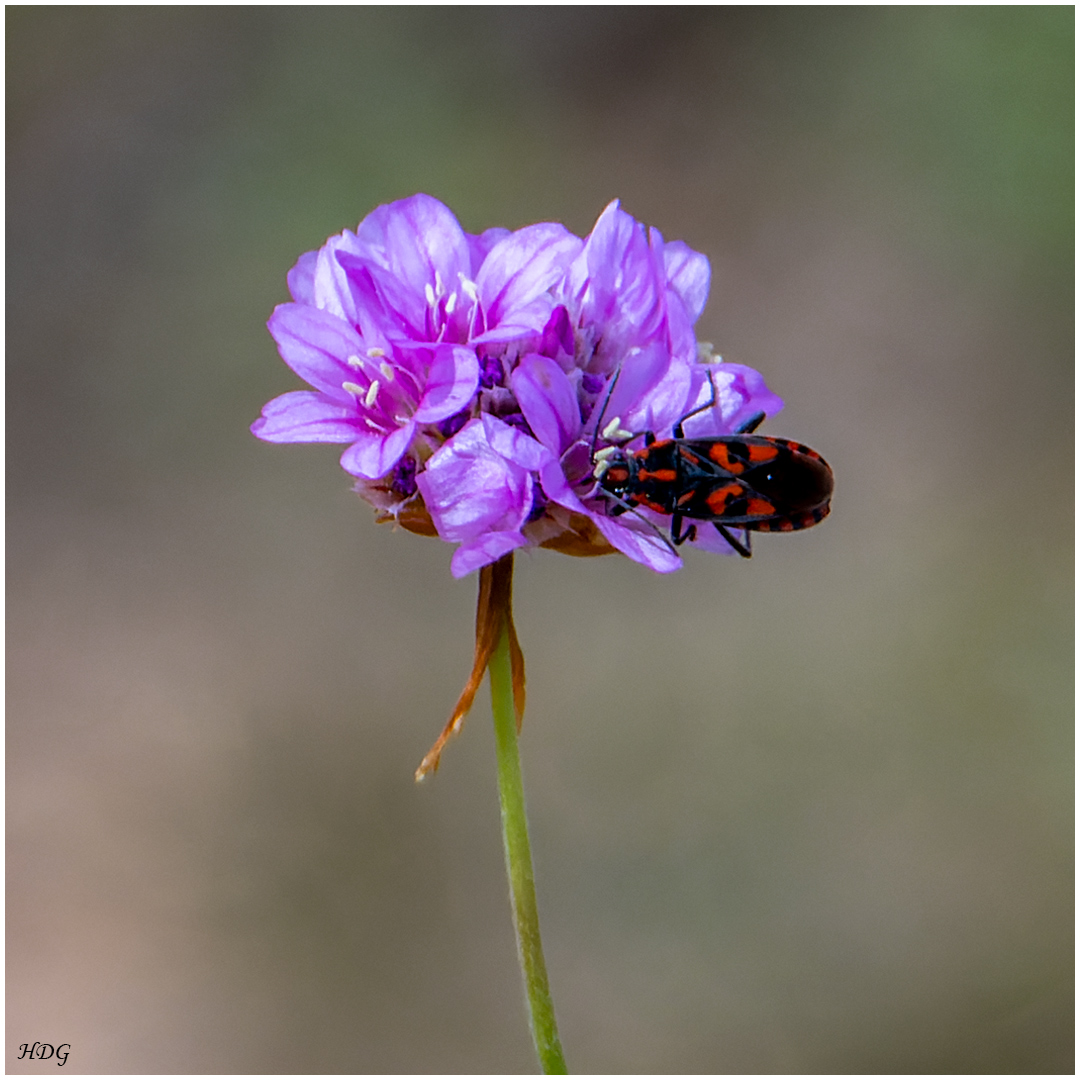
474	554
316	345
643	547
524	322
331	284
374	455
514	445
708	539
306	416
557	488
688	276
301	278
470	489
637	377
523	266
681	336
558	336
451	382
740	393
374	322
626	282
548	401
410	245
479	246
664	403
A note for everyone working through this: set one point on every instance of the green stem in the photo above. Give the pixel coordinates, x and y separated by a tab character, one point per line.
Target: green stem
519	863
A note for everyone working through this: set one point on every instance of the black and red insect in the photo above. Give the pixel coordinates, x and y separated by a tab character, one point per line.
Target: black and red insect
753	483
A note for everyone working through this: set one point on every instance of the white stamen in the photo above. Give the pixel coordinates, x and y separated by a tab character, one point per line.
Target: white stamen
402	420
355	361
601	468
429	294
602	455
376	353
372	393
387	371
439	290
451	303
352	388
468	287
610	431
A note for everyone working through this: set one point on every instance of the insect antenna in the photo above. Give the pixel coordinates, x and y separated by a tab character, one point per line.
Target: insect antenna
600	415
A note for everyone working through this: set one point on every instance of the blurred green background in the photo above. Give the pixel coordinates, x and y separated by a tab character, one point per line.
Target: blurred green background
807	813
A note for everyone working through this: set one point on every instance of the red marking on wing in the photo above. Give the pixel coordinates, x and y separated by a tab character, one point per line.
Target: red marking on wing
641	500
759	453
718	499
719	453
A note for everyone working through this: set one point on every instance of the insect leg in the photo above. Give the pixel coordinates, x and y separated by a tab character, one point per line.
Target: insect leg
676	530
743	550
678	429
751	425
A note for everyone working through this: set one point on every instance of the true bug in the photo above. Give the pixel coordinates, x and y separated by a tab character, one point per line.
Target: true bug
754	482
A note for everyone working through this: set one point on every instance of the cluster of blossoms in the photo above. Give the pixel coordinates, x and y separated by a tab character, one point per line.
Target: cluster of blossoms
468	374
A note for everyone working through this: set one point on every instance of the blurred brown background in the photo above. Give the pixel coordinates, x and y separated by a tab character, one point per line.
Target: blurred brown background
806	813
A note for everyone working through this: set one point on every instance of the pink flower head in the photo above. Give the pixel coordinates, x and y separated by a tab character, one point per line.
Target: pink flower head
474	378
385	325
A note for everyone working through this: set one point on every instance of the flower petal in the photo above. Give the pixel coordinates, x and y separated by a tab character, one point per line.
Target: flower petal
485	549
316	345
709	539
688	276
643	547
663	403
626	284
514	445
740	393
558	337
522	267
470	489
637	375
557	488
451	382
411	246
547	400
373	455
301	278
306	416
332	291
479	246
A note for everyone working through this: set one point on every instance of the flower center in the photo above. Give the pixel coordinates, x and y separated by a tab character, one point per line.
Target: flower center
388	395
453	316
